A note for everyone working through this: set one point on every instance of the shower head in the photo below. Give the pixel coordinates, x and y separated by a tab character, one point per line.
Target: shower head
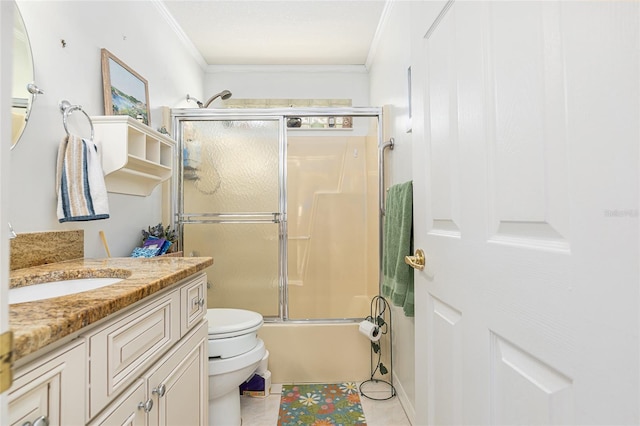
225	94
191	98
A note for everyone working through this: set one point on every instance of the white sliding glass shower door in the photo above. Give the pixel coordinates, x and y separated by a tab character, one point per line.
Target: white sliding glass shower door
291	216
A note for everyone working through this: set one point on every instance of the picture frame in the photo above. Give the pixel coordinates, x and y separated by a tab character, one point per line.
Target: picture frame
125	91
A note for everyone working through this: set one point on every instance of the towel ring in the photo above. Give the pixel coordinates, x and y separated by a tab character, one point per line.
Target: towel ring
66	109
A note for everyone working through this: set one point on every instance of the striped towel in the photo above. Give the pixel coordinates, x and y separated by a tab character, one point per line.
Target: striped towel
82	194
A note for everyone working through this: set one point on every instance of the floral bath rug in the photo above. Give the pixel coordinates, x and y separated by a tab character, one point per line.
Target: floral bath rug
321	405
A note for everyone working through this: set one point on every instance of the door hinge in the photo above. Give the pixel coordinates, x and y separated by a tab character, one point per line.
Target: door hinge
6	360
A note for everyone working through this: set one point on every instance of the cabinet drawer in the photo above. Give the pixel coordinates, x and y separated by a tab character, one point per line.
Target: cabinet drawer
53	388
121	351
193	299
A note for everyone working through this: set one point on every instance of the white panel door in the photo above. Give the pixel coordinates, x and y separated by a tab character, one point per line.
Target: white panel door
526	205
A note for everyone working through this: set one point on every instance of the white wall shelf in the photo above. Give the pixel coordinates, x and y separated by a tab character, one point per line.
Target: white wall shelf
135	158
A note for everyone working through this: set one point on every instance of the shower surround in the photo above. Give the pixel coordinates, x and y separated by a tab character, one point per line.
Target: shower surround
291	218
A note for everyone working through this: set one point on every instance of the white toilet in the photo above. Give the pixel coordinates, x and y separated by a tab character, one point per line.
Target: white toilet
235	351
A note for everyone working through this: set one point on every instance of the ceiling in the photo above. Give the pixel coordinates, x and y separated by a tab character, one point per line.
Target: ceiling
273	32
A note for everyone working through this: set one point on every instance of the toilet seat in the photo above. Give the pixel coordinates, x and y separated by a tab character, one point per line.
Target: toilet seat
224	322
232	332
253	356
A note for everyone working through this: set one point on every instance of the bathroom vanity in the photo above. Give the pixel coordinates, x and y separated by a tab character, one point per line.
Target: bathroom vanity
133	352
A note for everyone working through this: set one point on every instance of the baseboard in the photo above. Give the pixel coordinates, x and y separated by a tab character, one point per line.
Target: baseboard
407	406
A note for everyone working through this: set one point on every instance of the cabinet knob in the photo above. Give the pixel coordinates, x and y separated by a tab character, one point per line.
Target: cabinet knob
201	302
160	390
41	421
146	406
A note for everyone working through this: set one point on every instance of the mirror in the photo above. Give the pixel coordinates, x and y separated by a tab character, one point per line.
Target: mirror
23	91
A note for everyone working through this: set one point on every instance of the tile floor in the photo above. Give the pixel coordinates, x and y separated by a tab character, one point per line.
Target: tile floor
264	411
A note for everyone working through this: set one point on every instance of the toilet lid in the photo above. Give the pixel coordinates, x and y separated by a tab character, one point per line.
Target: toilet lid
224	322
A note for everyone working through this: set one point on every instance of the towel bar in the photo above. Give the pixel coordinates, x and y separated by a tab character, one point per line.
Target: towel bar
66	109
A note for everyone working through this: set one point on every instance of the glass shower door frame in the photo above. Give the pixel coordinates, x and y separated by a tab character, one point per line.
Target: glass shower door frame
280	217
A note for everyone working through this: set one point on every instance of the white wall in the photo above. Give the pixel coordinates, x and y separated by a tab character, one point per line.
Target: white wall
389	86
289	82
138	35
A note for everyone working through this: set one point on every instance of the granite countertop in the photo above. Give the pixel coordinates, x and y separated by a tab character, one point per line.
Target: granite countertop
41	323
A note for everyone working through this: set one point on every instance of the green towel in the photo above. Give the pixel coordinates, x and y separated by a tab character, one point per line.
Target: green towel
397	276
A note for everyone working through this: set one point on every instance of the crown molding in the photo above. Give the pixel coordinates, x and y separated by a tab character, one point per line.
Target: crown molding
384	18
182	36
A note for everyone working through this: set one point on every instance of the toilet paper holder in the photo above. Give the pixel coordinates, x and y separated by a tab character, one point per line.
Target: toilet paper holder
375	326
370	329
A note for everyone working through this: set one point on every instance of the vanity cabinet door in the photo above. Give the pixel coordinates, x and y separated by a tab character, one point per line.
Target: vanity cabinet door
51	389
127	410
179	385
193	299
36	403
122	350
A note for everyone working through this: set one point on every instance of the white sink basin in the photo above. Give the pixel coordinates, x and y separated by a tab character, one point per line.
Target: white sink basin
48	290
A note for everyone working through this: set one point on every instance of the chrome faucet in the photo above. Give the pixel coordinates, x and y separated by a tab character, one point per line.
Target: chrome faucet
12	233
